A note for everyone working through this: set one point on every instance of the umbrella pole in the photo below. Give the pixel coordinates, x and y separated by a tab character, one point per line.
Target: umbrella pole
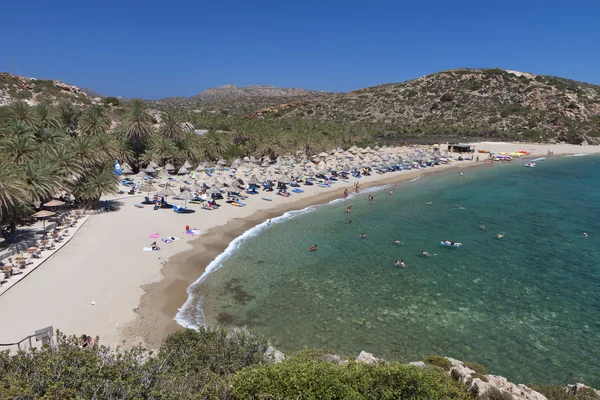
44	224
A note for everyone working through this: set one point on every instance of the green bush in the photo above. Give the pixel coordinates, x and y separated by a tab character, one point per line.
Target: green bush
439	361
478	368
553	392
306	378
112	101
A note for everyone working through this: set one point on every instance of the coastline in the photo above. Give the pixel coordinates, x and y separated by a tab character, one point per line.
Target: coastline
102	284
162	300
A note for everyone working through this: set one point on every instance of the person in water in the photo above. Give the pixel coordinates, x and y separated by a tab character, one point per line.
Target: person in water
349	221
397	242
345	193
482	226
429	203
500	235
460	174
313	248
424	253
349	209
585	234
391	192
397	263
362	236
402	263
458	205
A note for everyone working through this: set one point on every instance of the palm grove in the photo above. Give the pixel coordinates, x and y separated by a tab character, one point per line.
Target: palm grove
47	149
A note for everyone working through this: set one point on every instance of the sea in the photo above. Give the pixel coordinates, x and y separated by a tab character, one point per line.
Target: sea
527	305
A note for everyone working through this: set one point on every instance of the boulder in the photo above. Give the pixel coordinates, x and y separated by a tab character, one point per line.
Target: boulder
454	361
332	358
367	358
573	389
274	355
461	373
519	392
419	364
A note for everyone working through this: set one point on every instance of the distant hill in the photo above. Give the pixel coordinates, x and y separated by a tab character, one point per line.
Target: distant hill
495	102
233	99
17	88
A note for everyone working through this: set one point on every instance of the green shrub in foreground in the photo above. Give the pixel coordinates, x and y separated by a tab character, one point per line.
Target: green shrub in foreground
478	368
306	378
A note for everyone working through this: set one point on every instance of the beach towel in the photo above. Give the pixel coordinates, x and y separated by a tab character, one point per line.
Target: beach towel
154	236
138	205
148	249
266	198
169	239
193	232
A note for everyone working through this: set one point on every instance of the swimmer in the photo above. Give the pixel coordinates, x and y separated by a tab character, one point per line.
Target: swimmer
460	174
459	206
500	235
269	221
397	263
349	221
482	226
349	209
391	192
585	234
397	242
424	253
362	236
402	263
429	203
313	248
394	187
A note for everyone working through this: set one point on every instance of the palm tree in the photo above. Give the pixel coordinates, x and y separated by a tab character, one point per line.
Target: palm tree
171	128
214	145
51	137
90	188
12	186
82	148
21	111
69	117
95	121
40	178
45	116
136	125
18	149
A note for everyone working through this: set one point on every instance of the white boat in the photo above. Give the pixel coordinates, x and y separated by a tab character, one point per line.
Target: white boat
530	165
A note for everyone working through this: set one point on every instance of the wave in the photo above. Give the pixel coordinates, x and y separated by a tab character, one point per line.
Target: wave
187	317
416	179
576	155
539	159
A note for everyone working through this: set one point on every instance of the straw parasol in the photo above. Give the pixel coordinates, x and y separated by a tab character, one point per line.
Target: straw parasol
169	167
54	203
166	191
186	195
43	214
253	180
187	164
148	187
149	169
183	170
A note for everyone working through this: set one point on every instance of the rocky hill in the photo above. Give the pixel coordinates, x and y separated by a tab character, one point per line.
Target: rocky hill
231	99
15	88
466	101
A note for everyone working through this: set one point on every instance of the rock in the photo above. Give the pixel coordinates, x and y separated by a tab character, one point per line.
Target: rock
274	355
519	392
367	358
454	361
573	389
479	387
419	364
461	373
332	358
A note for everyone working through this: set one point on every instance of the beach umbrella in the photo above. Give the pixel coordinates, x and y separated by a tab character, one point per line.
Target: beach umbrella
183	170
126	170
169	167
149	169
54	203
163	174
187	164
253	180
166	191
221	162
185	196
43	214
148	187
200	168
284	178
213	190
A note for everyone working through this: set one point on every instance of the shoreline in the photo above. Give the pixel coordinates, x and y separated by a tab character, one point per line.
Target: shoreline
163	299
102	284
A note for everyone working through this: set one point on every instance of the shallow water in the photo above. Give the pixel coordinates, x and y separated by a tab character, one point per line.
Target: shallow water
526	305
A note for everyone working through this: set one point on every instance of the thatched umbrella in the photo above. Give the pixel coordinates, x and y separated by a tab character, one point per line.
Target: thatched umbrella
169	167
185	196
163	174
148	187
153	164
149	169
222	162
183	170
253	180
213	190
43	214
284	178
54	203
166	191
187	164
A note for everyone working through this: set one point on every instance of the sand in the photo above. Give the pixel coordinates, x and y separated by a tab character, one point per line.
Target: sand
102	284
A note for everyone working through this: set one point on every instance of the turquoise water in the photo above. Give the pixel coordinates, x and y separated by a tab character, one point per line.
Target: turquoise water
526	306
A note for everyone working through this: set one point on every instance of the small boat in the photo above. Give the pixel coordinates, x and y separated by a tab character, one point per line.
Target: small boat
530	165
450	245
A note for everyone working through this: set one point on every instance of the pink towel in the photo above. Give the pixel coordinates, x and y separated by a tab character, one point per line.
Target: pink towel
154	236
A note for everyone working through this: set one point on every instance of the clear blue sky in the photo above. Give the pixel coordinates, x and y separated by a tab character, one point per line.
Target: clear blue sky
154	49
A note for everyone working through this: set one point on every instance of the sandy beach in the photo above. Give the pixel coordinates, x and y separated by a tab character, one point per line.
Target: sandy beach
102	283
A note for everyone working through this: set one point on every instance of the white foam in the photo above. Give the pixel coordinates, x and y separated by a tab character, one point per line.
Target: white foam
416	179
576	155
539	159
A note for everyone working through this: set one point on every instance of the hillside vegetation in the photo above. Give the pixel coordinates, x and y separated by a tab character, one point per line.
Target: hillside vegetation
466	102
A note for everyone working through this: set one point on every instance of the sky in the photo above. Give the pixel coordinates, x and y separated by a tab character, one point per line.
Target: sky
155	49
